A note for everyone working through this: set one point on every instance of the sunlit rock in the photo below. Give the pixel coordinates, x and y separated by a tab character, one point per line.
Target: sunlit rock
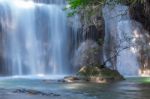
126	37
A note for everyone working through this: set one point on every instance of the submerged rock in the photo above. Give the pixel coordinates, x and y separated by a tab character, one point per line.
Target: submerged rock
34	92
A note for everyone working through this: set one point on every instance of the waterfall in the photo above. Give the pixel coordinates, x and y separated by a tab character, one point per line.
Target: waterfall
120	37
34	37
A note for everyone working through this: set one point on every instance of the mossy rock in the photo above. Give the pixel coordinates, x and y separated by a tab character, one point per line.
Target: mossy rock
101	75
88	71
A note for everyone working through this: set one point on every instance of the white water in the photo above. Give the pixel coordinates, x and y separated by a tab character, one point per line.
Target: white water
35	37
119	35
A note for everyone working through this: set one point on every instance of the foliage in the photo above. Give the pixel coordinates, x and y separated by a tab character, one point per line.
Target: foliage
77	5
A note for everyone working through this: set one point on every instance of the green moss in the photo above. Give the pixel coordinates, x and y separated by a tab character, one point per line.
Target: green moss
108	73
105	73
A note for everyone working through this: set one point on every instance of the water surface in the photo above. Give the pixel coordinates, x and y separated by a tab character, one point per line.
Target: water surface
132	88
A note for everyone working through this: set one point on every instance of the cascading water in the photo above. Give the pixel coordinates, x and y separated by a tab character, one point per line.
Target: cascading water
35	37
119	37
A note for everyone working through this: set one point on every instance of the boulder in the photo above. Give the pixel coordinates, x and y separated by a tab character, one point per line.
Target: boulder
99	75
71	79
34	92
89	53
94	75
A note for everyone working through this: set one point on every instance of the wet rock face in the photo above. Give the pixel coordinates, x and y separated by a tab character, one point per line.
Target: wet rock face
141	13
142	42
118	30
89	53
94	31
92	23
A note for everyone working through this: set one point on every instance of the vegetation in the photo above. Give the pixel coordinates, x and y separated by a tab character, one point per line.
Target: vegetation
87	8
97	74
77	5
89	71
